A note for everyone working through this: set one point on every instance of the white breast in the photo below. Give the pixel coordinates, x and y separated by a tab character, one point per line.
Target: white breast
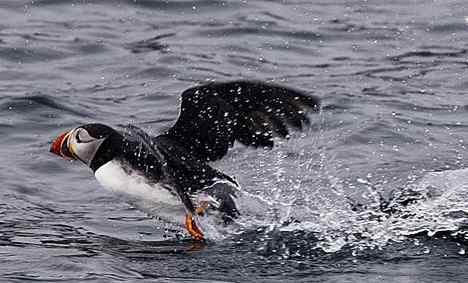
135	188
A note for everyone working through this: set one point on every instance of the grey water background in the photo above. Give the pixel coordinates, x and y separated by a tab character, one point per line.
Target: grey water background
393	79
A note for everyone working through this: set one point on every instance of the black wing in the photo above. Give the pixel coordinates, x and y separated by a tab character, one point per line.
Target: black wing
214	115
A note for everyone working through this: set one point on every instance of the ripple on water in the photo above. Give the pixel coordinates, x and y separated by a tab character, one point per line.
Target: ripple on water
150	44
31	55
46	105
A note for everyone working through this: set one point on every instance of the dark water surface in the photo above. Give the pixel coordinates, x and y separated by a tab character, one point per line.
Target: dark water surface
393	79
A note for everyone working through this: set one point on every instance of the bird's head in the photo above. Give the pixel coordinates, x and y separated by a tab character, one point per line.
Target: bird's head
88	143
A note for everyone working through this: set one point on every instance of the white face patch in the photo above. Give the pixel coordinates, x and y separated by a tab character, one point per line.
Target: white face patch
150	198
83	146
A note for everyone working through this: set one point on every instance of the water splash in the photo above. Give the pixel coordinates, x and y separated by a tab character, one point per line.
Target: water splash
312	201
436	204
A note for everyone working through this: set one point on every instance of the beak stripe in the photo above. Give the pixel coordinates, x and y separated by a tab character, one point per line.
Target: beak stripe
71	150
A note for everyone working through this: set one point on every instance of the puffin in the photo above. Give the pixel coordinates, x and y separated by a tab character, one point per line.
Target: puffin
172	171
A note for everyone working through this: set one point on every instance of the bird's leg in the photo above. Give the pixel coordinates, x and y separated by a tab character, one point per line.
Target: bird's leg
192	228
191	225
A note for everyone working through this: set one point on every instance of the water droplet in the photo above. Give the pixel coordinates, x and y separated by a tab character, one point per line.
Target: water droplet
362	181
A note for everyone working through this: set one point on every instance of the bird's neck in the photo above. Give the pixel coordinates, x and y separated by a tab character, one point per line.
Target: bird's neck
109	149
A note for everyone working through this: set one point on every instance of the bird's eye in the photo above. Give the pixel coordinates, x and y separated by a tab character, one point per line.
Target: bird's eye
78	139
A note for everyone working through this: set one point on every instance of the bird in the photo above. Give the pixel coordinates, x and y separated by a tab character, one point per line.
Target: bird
174	169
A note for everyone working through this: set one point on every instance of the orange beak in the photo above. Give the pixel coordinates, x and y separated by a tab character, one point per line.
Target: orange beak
60	146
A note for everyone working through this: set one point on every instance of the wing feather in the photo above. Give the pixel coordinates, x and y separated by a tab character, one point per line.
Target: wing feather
215	115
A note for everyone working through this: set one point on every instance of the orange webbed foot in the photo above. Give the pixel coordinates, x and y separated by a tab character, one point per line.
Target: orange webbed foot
192	228
201	209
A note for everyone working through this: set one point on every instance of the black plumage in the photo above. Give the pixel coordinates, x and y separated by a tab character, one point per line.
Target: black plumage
212	117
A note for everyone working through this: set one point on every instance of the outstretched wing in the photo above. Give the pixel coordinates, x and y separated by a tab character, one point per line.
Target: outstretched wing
214	115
